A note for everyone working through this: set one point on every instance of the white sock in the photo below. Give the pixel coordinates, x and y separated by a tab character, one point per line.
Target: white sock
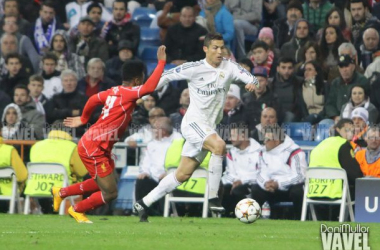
215	168
166	185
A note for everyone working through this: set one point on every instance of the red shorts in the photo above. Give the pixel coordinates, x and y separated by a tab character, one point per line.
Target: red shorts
100	165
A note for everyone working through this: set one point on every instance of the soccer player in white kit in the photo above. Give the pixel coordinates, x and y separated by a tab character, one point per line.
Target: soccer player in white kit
209	81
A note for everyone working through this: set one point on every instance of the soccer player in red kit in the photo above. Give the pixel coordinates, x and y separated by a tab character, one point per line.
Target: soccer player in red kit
95	146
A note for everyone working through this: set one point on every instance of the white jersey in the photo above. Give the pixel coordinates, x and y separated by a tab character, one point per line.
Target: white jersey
208	87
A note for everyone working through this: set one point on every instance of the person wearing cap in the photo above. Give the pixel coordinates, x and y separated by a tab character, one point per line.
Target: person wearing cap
266	35
58	148
260	99
369	158
339	91
283	28
86	44
247	17
315	12
262	56
183	41
360	119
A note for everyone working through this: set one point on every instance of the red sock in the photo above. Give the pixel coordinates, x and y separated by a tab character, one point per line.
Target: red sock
87	186
94	201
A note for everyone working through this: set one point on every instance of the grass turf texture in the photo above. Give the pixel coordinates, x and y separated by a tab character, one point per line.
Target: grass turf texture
114	232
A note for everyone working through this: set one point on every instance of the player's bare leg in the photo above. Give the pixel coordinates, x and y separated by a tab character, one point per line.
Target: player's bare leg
217	147
184	171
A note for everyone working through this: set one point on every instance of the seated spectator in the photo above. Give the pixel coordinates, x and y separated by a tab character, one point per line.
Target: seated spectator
262	56
247	16
113	65
301	35
36	86
359	97
368	158
51	76
268	117
315	12
15	74
5	100
30	116
233	107
369	46
259	100
310	52
336	17
183	43
68	103
339	90
336	152
94	82
140	116
152	167
281	176
331	39
120	28
177	117
372	71
86	44
241	169
246	64
285	85
266	35
359	118
313	93
167	98
361	19
283	28
10	157
12	8
219	19
25	46
12	124
66	60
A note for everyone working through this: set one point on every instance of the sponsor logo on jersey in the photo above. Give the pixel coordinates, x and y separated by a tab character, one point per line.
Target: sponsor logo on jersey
178	69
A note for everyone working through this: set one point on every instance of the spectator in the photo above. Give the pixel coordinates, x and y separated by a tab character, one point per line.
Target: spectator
86	45
36	86
282	166
268	117
260	99
283	28
30	115
266	35
315	12
219	19
5	100
11	122
11	8
51	76
301	35
44	28
94	82
247	15
336	18
372	71
359	97
65	58
233	107
312	95
15	75
339	91
359	118
177	117
310	52
241	169
25	46
361	17
152	168
68	103
140	116
183	43
120	28
167	98
331	39
368	158
285	85
368	48
262	56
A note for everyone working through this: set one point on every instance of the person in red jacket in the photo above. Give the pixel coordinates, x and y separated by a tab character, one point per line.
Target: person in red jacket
95	146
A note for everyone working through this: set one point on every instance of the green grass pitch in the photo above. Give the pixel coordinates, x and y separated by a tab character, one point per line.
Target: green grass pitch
114	232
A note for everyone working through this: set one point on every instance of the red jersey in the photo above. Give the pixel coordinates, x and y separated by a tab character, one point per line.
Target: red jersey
119	103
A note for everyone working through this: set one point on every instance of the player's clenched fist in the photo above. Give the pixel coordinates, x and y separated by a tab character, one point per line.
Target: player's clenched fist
161	54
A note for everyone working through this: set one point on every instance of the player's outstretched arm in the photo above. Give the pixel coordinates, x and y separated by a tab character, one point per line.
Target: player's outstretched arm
72	122
151	84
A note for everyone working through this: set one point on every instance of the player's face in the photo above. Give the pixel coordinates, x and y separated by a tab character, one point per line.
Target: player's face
214	52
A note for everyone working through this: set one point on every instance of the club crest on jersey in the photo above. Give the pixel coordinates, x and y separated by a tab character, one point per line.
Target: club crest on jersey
178	69
221	75
115	90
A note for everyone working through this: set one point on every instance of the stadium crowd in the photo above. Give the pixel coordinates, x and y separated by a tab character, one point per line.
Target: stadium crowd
317	62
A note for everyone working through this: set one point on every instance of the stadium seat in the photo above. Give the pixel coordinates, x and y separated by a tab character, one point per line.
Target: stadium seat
300	131
149	54
143	16
8	173
171	200
322	132
149	37
330	174
46	169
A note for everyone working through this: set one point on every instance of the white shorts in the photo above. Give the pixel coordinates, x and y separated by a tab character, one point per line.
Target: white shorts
195	134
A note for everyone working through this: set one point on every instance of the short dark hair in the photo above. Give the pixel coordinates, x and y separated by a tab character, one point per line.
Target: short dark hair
119	1
212	36
12	56
342	122
10	1
260	44
364	2
247	62
286	60
94	5
36	78
132	69
49	4
21	86
51	56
